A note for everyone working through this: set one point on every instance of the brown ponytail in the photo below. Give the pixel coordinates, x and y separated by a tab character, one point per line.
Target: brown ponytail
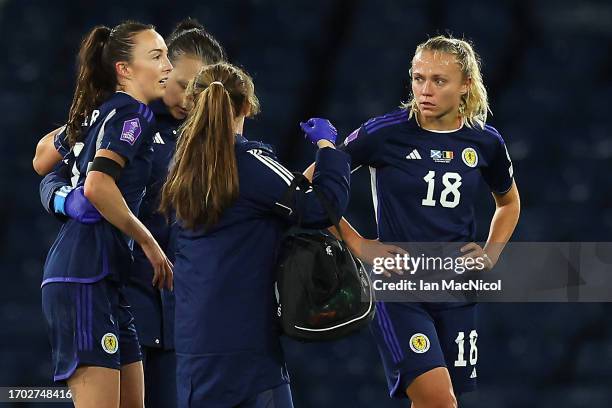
96	77
203	180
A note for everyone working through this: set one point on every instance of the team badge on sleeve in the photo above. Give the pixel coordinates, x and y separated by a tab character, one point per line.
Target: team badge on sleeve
419	343
131	131
469	156
109	343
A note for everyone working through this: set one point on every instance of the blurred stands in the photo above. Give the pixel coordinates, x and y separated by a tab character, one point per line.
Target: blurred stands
547	65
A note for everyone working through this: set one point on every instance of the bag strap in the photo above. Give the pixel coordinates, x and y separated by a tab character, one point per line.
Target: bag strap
300	181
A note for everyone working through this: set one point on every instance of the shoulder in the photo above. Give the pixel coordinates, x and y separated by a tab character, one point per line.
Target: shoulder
253	148
257	158
490	139
126	107
488	134
378	126
386	121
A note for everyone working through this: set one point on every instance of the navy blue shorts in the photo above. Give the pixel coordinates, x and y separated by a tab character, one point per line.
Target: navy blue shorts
89	324
414	338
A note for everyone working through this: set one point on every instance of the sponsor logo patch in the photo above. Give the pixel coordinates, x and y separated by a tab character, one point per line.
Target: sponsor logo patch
131	131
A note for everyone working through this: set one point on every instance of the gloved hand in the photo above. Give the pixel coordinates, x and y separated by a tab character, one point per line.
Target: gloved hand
73	203
319	129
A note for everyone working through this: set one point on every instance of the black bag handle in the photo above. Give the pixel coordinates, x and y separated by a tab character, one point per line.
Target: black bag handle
299	180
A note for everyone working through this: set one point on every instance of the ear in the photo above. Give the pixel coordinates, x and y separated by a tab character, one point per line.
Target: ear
123	70
465	87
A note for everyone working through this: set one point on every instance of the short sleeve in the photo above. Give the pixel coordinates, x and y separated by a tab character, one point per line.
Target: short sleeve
125	131
60	141
499	172
360	145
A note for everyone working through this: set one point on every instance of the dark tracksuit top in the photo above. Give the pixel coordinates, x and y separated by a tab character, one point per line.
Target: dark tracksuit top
226	333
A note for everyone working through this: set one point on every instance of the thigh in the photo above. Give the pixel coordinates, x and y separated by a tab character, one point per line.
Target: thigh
457	330
95	387
132	385
432	389
408	343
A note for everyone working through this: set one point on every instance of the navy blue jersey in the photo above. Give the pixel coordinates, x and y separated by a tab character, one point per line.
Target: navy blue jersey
226	323
424	183
88	253
154	309
60	141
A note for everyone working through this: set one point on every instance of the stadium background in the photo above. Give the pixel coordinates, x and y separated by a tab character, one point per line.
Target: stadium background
547	66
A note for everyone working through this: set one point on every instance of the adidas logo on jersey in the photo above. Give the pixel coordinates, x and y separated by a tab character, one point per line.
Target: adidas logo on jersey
157	139
474	375
414	155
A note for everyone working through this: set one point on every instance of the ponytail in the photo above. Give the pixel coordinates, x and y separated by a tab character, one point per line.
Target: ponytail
94	83
203	180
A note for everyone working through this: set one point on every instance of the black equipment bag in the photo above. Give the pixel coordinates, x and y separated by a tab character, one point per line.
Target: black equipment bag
323	290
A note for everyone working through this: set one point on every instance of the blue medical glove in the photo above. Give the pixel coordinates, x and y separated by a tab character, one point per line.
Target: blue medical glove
319	129
73	203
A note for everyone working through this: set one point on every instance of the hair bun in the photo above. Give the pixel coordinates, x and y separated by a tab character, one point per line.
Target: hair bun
188	24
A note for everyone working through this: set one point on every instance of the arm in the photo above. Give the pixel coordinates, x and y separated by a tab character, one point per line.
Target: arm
46	155
365	249
505	218
102	191
50	184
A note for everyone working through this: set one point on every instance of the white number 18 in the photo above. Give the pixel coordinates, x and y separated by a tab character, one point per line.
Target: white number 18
451	181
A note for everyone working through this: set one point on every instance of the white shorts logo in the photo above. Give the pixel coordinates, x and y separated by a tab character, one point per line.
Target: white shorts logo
109	343
419	343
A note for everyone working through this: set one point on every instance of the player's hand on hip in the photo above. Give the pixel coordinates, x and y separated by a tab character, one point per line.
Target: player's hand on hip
318	129
478	255
162	267
78	207
371	250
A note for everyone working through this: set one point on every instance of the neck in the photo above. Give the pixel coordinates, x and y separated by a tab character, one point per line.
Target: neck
449	121
239	124
133	93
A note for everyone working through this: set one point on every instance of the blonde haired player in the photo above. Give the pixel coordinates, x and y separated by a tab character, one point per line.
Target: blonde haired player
426	160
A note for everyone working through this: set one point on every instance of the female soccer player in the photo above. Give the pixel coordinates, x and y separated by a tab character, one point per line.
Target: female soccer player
190	47
226	191
426	160
109	130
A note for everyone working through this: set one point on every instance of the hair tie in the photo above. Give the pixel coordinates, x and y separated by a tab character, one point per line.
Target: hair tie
216	82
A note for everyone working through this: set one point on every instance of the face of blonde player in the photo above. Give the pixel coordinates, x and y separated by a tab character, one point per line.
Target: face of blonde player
149	68
186	67
437	85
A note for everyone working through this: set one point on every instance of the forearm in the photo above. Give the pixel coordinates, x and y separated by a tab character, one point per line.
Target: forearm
502	226
103	193
352	238
350	235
